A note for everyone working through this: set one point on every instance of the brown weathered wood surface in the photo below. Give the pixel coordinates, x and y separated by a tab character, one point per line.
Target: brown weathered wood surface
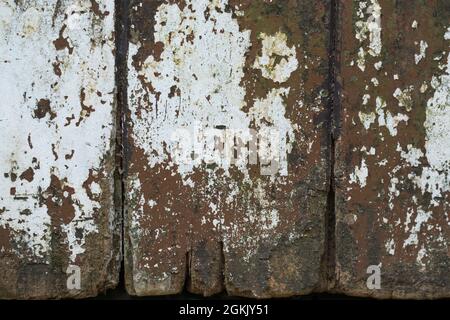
393	151
227	66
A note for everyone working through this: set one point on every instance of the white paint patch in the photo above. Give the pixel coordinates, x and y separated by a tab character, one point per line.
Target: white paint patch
412	155
367	119
368	28
366	99
393	191
420	257
435	179
422	54
386	119
390	247
360	174
421	219
273	48
375	82
404	97
424	87
392	122
378	65
361	61
437	124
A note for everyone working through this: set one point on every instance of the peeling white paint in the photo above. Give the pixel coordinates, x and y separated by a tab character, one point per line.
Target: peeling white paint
386	119
421	219
420	257
437	123
361	61
435	179
366	99
393	191
27	50
273	47
206	73
360	174
390	247
412	156
375	82
367	119
424	87
434	162
378	65
218	69
422	54
205	70
404	97
368	28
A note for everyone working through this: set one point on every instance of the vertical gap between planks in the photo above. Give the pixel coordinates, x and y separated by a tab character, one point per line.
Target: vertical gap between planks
333	132
121	79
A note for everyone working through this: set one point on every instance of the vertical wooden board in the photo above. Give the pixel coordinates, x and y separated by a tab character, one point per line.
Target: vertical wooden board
58	229
242	72
393	152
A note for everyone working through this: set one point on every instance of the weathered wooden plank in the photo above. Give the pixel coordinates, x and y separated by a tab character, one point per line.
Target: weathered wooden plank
58	228
233	71
393	152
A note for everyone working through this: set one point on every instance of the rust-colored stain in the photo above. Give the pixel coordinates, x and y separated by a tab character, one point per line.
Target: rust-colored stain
43	108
